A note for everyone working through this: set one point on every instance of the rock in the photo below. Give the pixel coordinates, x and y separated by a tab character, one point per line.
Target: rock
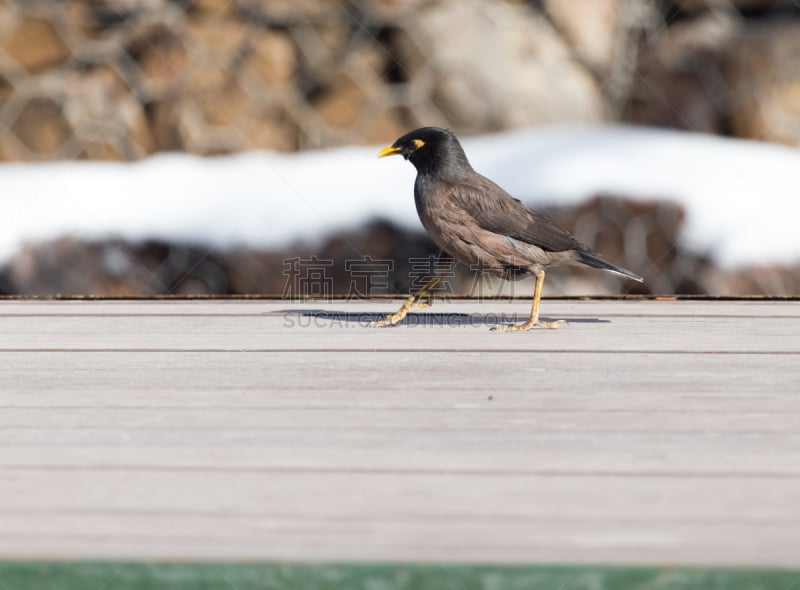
768	280
121	79
64	267
340	103
348	99
106	117
164	122
217	116
388	12
269	127
208	110
745	6
255	272
215	92
680	81
162	58
42	128
86	113
764	78
212	9
715	73
592	27
499	65
229	100
9	146
217	40
386	126
35	44
115	22
269	60
287	12
113	268
640	235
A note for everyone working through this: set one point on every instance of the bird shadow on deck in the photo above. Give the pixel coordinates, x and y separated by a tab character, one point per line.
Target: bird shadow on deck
430	319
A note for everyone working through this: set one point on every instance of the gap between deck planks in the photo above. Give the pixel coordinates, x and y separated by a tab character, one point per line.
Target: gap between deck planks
355	576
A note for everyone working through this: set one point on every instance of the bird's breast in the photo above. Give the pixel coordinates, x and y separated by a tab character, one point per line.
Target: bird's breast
433	208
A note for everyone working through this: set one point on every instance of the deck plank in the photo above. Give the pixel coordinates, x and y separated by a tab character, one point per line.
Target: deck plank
646	432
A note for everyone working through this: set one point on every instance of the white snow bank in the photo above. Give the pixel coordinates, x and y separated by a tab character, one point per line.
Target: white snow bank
742	197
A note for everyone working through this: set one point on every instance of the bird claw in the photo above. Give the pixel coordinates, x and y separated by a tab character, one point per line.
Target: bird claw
383	323
395	318
528	325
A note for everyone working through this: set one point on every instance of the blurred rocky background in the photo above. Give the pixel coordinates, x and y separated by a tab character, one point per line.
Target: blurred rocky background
123	79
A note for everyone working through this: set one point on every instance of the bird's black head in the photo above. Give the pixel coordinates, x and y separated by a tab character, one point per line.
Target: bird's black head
432	151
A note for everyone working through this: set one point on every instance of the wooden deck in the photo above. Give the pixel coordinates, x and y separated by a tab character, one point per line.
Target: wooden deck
645	432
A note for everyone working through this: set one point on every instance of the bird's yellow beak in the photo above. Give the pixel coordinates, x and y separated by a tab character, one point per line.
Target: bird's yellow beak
389	151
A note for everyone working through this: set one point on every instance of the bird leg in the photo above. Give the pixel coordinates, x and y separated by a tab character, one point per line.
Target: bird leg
533	320
410	304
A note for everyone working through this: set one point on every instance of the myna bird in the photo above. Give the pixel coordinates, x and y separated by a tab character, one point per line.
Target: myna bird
479	224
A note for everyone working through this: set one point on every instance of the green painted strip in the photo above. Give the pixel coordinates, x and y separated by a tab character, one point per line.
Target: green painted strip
246	576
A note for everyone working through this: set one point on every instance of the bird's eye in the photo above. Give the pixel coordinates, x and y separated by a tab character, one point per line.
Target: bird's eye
418	143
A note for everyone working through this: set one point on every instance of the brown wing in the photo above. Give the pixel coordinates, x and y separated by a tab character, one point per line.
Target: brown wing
497	211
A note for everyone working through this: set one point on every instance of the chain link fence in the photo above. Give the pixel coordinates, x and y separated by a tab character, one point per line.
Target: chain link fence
124	79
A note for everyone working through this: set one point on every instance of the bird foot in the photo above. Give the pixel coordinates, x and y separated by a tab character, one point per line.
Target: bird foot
528	325
395	318
389	320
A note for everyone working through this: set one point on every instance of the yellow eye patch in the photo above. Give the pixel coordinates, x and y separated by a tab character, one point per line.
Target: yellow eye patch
418	143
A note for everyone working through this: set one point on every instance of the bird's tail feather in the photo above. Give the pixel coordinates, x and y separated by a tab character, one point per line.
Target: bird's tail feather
594	260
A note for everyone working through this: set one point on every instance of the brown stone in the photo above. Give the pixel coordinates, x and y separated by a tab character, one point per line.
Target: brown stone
7	152
112	268
387	126
222	75
499	66
100	150
267	128
404	56
592	28
349	89
42	127
218	115
6	91
636	234
694	6
215	93
161	57
390	11
292	11
340	103
106	116
164	126
271	58
216	40
351	97
764	75
679	81
256	272
214	8
35	45
770	280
